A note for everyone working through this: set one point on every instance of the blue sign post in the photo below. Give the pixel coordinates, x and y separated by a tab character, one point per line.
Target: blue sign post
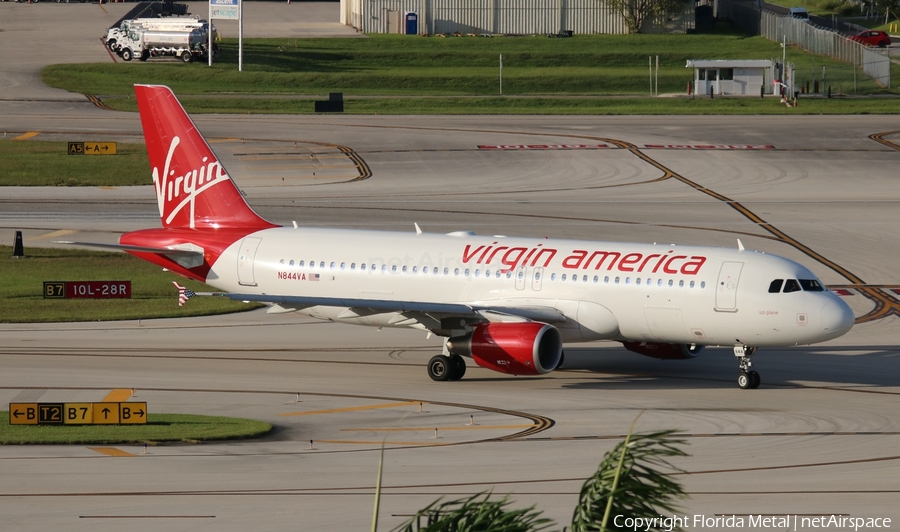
230	10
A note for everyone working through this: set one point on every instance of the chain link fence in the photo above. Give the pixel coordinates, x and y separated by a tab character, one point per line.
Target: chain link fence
779	28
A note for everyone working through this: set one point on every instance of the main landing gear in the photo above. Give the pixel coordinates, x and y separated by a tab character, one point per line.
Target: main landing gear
446	368
747	378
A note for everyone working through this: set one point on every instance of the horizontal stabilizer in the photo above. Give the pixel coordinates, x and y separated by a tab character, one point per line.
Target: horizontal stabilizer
187	258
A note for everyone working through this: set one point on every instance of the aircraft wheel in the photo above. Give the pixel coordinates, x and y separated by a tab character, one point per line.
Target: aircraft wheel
458	366
440	368
744	380
755	381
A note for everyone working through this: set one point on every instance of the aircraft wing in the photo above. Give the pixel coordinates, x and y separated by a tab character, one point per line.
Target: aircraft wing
498	313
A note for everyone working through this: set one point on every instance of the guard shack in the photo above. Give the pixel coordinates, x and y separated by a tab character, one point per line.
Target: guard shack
731	76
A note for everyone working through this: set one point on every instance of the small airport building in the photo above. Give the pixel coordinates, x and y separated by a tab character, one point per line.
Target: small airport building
732	77
498	17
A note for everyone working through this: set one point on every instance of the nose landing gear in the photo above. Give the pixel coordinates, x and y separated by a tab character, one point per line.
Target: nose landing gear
748	378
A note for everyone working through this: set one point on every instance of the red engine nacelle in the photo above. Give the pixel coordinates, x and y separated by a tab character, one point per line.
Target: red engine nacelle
665	351
516	348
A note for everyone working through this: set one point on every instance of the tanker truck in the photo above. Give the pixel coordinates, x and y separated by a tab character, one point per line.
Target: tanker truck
186	44
117	33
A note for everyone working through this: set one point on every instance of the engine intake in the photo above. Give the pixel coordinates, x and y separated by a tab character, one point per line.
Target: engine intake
529	348
665	351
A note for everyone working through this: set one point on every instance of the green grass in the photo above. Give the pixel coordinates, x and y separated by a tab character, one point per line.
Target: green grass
159	428
153	296
47	163
392	65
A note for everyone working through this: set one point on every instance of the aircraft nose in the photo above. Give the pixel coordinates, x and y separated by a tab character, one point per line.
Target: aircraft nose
837	318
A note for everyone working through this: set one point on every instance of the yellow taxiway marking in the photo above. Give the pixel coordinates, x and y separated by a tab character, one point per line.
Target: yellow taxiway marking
25	136
119	395
464	427
54	234
111	451
301	166
361	442
350	409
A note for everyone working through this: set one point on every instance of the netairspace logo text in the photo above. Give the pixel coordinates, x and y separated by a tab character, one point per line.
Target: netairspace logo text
781	522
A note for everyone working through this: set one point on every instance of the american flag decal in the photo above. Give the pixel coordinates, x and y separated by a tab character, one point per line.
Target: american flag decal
313	277
183	294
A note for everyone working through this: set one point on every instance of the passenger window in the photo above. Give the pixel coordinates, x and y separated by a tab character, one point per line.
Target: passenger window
487	273
394	268
606	279
563	277
301	264
361	266
466	273
791	285
671	282
352	265
343	265
477	273
596	278
332	265
637	281
692	284
322	264
702	285
584	279
404	269
282	262
811	285
446	271
775	286
552	276
455	271
681	283
291	264
617	280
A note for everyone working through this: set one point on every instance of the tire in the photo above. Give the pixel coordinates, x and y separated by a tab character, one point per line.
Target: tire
882	44
755	381
127	54
186	57
744	380
440	368
145	55
458	365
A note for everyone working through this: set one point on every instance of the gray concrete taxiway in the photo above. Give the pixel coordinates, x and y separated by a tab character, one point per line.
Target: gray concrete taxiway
819	437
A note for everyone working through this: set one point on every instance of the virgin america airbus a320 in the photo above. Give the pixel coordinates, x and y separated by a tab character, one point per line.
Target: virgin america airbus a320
507	303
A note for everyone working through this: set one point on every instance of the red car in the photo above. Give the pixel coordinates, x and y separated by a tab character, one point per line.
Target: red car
873	38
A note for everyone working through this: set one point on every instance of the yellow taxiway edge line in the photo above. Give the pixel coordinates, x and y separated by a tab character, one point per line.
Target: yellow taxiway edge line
464	427
25	136
111	451
350	409
361	442
119	395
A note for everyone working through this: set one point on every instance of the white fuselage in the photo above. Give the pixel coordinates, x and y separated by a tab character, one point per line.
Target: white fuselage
605	290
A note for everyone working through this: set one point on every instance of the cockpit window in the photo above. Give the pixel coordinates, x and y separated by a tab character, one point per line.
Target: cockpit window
791	285
775	286
811	285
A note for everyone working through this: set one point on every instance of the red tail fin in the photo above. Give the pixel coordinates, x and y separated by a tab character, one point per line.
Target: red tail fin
193	189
